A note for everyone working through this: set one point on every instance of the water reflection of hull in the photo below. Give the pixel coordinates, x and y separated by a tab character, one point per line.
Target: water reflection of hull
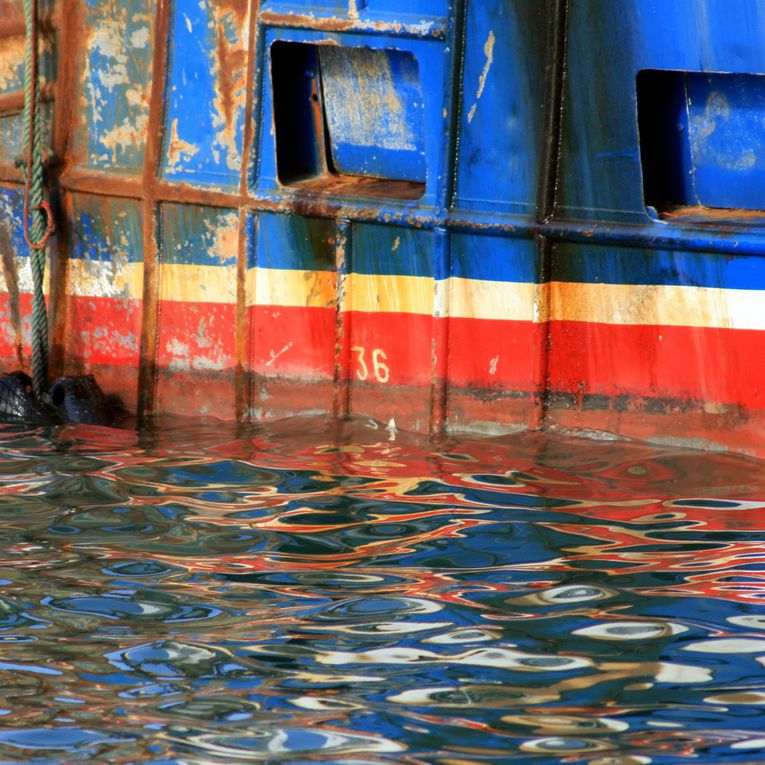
337	592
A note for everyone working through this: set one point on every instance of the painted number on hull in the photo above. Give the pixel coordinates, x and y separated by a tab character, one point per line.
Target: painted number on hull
380	370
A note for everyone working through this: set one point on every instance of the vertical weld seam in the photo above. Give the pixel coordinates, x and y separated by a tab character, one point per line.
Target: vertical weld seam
253	49
540	391
547	205
150	314
150	317
440	346
342	380
442	243
255	95
58	285
66	91
61	138
244	374
551	156
243	371
455	73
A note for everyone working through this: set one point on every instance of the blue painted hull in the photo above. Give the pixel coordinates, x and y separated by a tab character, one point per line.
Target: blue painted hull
489	215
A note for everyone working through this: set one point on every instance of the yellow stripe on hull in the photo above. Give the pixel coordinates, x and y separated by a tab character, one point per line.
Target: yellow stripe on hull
98	278
657	305
509	301
388	293
291	288
197	284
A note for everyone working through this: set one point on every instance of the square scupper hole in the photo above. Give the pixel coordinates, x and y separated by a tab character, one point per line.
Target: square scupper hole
702	144
348	120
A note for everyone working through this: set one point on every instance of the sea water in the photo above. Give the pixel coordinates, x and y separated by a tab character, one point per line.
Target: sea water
338	592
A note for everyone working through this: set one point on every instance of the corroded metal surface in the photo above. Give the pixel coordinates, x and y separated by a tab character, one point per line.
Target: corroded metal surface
432	212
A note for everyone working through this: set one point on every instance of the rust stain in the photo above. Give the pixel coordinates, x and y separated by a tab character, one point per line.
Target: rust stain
13	102
11	62
321	288
356	185
150	318
436	31
230	68
715	215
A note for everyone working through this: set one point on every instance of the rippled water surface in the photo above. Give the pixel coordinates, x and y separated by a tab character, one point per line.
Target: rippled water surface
340	593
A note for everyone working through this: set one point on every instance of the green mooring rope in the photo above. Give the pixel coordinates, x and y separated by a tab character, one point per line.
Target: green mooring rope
34	204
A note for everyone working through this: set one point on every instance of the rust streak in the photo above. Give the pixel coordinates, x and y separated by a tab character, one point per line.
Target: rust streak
103	183
230	63
341	399
243	379
63	119
147	374
241	376
231	72
185	193
13	102
249	105
436	31
11	173
12	23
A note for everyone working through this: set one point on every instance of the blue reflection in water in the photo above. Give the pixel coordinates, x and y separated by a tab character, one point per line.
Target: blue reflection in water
311	592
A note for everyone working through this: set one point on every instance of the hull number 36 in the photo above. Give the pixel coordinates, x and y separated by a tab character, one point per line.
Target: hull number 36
380	371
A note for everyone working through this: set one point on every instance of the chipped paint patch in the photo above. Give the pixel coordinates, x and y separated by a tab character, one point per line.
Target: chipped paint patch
177	147
731	155
274	356
488	50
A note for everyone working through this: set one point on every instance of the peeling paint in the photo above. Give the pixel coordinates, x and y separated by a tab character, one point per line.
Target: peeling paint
488	50
177	147
115	85
207	91
731	155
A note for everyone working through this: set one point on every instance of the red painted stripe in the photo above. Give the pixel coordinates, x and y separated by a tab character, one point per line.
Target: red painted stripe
293	341
104	330
8	338
714	365
495	354
196	336
301	341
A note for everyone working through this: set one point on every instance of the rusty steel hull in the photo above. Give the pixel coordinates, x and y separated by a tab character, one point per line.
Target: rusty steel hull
451	215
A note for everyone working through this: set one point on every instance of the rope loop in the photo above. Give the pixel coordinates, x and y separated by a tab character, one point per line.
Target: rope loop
51	226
